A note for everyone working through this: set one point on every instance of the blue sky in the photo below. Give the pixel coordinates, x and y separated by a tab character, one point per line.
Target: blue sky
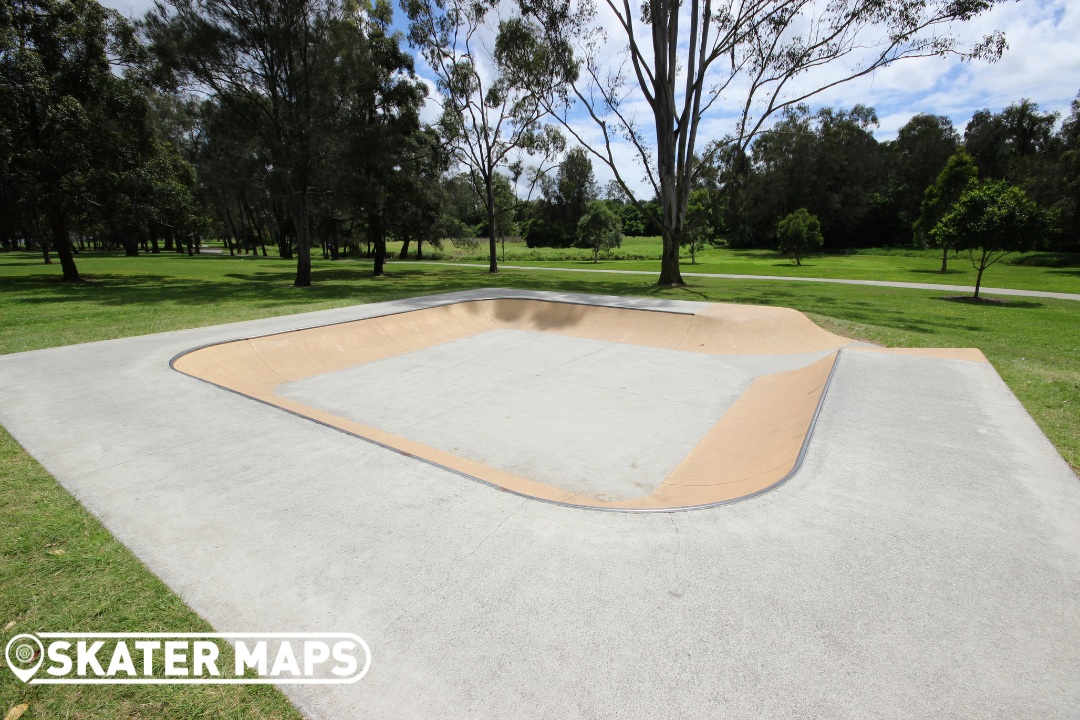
1041	64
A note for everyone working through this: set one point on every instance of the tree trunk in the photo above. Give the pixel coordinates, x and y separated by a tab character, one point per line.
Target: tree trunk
130	245
944	258
62	243
255	226
377	237
664	114
419	248
404	254
303	243
232	228
978	278
670	274
493	263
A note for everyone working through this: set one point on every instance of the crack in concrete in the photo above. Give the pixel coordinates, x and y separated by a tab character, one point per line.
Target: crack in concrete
678	547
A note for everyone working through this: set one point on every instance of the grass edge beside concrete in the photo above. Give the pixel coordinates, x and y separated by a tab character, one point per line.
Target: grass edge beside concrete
62	571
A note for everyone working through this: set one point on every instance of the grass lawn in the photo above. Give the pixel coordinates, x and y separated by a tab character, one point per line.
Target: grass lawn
1054	272
97	585
62	571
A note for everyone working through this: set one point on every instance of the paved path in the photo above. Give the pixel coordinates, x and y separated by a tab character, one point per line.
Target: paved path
879	283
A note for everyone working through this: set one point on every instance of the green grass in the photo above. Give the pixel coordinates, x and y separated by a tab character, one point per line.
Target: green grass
97	585
1055	272
60	570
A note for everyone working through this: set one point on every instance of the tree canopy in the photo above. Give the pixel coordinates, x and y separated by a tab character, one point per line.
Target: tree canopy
78	144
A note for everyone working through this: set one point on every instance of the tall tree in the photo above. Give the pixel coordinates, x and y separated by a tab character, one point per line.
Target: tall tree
1019	145
268	63
952	182
489	121
828	162
1068	207
377	124
575	186
67	116
746	58
922	147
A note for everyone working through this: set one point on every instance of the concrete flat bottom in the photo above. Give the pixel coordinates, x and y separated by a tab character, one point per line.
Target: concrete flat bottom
607	420
922	562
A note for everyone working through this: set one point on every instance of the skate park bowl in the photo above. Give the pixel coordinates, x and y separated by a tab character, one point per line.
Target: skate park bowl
591	406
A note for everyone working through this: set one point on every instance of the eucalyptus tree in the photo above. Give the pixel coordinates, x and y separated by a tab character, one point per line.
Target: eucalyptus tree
740	60
418	198
267	63
575	186
377	140
489	119
66	116
564	198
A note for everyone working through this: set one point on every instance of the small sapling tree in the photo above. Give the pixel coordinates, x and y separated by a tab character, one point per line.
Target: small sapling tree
991	220
798	234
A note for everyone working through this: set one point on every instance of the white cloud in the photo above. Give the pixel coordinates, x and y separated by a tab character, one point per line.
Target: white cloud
1040	64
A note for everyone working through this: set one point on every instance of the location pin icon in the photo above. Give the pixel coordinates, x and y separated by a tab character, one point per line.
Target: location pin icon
24	654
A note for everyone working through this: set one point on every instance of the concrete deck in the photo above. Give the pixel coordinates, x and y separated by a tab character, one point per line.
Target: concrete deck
921	562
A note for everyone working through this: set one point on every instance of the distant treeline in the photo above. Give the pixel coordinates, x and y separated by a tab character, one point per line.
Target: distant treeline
307	135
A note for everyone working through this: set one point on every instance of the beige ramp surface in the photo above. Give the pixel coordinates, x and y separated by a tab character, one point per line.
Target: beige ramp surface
754	446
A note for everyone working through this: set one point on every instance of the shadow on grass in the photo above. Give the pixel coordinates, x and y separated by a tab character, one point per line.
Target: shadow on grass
992	302
260	287
268	286
938	273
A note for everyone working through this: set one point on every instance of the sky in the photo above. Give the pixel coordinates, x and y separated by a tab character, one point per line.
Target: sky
1042	64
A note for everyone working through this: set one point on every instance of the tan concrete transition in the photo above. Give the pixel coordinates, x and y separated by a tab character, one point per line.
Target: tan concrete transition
754	446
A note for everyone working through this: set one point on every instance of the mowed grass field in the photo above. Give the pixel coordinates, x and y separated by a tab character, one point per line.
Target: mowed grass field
1053	272
61	570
